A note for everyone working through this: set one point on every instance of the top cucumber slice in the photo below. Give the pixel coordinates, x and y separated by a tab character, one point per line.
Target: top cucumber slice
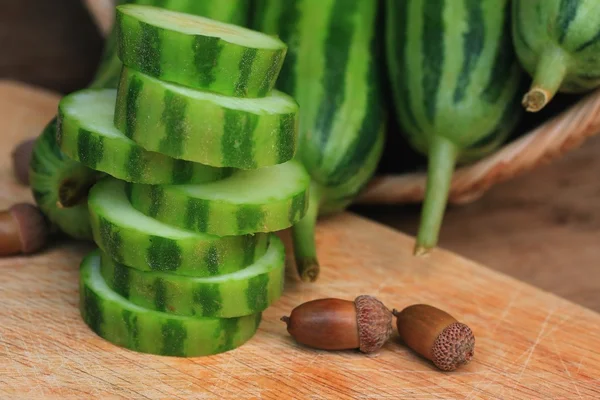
198	52
86	133
249	201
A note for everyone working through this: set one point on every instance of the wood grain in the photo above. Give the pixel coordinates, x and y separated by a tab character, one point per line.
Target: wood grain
530	344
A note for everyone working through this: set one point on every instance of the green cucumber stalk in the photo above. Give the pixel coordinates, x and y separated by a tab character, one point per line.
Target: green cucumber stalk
60	184
332	71
456	81
558	44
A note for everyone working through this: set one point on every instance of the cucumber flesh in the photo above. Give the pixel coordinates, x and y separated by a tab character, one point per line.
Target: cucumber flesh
87	134
247	291
207	128
198	52
146	244
262	200
127	325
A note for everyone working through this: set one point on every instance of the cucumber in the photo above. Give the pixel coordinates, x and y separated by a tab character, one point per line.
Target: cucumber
262	200
230	11
558	44
332	69
207	128
146	244
87	134
248	291
59	185
127	325
198	52
456	83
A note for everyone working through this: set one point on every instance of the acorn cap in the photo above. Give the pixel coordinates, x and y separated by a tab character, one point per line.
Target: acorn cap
453	347
374	323
21	157
32	227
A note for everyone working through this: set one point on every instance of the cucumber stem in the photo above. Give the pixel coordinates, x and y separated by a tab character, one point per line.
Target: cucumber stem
303	235
549	74
442	158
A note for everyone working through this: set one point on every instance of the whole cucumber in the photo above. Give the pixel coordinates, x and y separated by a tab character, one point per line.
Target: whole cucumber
455	83
332	71
558	43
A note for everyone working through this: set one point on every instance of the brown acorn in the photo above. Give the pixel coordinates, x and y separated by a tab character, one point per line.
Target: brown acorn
21	157
336	324
23	229
436	335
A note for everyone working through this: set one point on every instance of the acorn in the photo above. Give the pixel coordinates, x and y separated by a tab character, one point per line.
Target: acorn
21	157
23	229
336	324
436	335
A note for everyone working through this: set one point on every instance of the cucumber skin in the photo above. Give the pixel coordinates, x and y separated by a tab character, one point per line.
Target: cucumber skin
201	297
342	119
202	131
573	34
121	157
479	105
189	60
171	205
135	328
190	256
47	169
230	11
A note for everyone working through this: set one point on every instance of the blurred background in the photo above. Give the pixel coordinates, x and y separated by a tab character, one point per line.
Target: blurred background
542	227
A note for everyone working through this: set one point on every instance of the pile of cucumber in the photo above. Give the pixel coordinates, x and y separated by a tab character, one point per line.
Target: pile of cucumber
197	153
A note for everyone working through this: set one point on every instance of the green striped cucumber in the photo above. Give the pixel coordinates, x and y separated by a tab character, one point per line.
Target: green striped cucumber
86	133
558	44
332	70
127	325
456	82
59	185
207	128
263	200
245	292
198	52
230	11
134	239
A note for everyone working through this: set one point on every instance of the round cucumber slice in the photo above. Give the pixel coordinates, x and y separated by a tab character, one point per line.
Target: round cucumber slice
127	325
198	52
86	133
59	185
248	291
262	200
207	128
133	239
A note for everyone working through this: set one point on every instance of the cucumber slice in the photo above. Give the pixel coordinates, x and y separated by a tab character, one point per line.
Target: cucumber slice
86	133
248	291
131	238
59	185
207	128
127	325
198	52
263	200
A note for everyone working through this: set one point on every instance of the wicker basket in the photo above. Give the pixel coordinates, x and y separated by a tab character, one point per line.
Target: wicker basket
548	141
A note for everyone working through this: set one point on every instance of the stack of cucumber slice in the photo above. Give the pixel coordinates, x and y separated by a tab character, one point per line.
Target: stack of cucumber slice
197	148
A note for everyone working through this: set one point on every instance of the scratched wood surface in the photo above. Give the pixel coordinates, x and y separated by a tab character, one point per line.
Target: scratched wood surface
530	344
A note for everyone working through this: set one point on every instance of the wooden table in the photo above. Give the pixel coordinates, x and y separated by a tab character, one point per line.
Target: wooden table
530	344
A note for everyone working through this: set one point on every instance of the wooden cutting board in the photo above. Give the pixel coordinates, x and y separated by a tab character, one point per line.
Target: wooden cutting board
530	344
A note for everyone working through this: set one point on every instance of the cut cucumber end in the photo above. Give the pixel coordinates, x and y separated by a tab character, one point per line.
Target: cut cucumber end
442	159
196	25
